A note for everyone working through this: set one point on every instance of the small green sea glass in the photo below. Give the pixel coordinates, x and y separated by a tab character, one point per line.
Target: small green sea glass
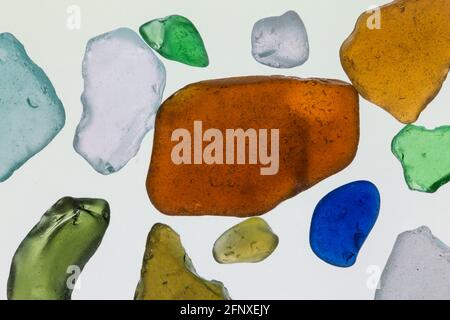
425	156
248	241
176	38
49	259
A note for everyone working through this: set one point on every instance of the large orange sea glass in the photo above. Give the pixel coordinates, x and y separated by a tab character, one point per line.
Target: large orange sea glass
318	134
398	57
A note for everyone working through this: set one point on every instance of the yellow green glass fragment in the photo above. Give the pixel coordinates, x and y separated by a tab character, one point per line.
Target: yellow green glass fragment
168	274
58	248
250	241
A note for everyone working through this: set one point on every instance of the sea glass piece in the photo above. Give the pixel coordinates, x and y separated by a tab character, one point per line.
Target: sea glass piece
280	42
176	38
398	56
123	86
57	248
250	241
31	114
168	274
342	221
302	131
424	155
417	269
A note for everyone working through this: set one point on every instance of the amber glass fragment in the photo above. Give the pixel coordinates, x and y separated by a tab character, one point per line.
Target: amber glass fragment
398	57
318	123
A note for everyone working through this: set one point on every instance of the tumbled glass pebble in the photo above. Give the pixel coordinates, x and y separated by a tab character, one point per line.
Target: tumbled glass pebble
425	156
31	114
123	87
400	61
176	38
168	274
342	221
58	248
280	42
250	241
314	124
417	269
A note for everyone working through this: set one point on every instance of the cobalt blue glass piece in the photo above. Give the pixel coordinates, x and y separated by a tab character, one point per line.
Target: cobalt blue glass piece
342	221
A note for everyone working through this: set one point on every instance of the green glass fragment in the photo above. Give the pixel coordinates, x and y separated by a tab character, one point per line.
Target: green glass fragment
250	241
424	155
176	38
57	249
168	273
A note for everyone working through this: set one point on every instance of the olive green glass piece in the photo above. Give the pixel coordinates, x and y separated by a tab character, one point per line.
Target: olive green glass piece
47	261
250	241
424	155
176	38
168	274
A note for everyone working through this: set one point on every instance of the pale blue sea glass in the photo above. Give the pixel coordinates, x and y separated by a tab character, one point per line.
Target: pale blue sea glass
31	114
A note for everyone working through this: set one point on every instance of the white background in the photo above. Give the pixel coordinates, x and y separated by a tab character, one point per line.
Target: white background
293	271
